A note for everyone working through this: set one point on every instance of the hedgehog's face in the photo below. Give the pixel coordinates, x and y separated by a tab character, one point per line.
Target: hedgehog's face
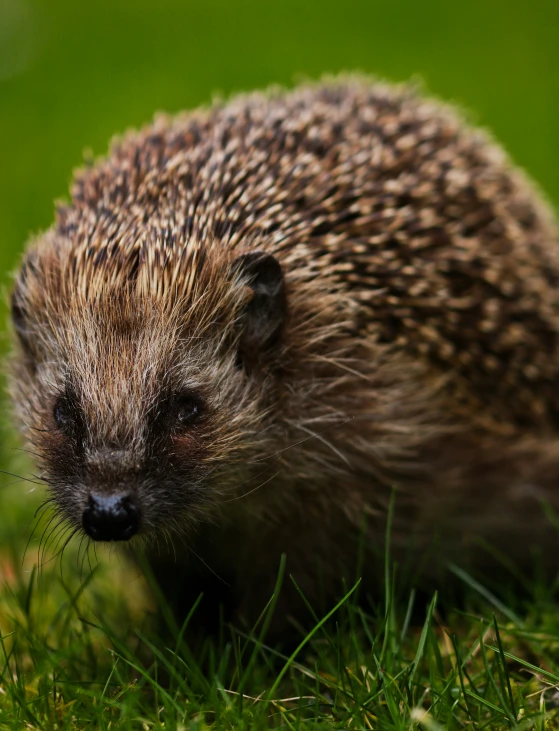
146	417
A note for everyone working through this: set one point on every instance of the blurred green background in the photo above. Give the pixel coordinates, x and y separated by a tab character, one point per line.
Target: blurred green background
74	73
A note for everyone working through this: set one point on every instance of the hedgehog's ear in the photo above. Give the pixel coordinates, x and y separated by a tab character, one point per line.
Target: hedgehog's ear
264	315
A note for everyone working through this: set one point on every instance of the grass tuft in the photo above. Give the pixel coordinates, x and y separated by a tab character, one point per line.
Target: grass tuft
81	649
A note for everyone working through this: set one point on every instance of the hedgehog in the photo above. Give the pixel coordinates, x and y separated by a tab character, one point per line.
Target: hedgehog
254	325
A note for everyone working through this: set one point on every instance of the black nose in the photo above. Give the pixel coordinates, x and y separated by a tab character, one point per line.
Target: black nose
110	517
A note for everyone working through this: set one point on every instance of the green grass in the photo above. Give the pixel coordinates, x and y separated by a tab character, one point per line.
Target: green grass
83	650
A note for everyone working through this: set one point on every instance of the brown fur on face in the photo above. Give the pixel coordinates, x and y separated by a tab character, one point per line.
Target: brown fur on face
357	291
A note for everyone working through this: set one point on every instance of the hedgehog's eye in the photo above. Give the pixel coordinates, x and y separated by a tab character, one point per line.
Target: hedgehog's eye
188	410
64	417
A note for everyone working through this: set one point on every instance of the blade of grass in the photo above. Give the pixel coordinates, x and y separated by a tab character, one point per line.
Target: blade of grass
505	669
302	644
486	594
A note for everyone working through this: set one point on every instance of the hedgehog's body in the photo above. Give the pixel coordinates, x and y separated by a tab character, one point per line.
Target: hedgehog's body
250	323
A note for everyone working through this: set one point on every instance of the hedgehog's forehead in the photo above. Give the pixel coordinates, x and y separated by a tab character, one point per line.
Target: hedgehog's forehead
112	337
107	320
124	332
120	363
152	264
127	284
88	259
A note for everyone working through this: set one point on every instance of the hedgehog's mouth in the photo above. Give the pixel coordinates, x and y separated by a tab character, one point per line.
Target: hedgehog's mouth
114	517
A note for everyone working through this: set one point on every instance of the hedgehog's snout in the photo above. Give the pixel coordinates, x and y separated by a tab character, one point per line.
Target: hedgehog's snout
111	517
